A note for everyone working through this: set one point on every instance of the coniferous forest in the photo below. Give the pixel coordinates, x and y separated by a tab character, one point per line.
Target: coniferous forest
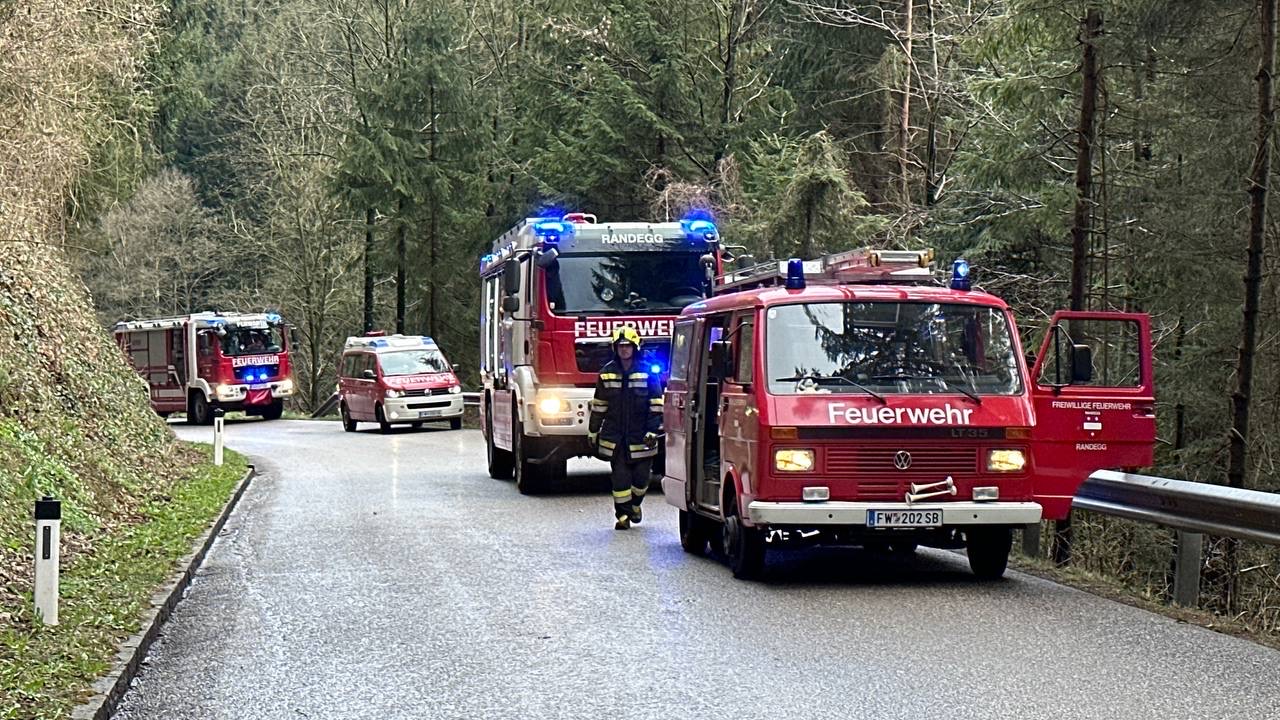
346	162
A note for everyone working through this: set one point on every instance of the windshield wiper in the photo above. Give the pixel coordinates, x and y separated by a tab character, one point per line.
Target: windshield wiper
838	378
945	384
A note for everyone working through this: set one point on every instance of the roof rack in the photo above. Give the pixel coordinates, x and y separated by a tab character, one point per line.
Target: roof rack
863	265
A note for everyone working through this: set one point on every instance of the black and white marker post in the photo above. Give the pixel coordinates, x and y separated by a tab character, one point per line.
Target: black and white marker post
217	436
48	526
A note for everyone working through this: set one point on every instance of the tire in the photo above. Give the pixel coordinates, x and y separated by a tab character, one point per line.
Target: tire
529	477
695	535
416	426
384	427
198	410
500	461
455	424
988	550
273	411
348	423
744	546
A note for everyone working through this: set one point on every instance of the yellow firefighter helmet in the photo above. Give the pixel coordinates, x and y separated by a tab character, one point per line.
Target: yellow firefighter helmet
627	334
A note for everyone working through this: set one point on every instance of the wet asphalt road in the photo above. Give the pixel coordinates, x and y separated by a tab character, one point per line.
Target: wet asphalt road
370	576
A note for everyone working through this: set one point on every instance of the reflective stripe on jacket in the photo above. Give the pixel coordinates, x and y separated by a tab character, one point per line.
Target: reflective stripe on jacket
626	406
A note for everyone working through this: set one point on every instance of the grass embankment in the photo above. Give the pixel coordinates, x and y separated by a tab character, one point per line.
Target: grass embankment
75	424
45	671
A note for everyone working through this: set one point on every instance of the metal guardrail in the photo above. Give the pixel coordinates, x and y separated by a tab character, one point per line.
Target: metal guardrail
1193	509
471	398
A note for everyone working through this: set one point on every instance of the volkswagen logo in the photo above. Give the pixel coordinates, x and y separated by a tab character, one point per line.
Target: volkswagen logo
902	460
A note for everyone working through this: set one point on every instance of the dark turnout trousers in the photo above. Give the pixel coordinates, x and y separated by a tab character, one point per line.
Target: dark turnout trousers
630	482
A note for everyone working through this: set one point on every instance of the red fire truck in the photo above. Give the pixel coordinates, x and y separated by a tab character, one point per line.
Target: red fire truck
857	400
554	289
198	362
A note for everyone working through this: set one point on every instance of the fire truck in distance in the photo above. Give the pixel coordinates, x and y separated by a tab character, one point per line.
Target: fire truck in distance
554	289
857	400
195	363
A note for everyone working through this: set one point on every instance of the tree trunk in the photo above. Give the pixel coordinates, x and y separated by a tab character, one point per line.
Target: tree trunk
401	260
1237	459
368	269
904	112
1080	226
432	237
931	152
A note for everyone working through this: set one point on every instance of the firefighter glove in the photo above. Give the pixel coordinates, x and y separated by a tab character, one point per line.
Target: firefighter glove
651	439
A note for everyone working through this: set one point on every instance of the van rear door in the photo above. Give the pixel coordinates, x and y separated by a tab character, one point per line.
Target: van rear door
1093	389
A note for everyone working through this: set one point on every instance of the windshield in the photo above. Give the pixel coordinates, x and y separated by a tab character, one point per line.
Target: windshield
890	348
625	283
412	362
252	341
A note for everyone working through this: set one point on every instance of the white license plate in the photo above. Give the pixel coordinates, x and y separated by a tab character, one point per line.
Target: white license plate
904	518
430	413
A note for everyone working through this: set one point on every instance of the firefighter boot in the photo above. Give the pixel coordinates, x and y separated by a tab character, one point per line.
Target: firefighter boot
623	521
622	509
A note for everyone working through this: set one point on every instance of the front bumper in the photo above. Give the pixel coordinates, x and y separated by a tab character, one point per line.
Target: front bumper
571	422
834	512
422	409
226	394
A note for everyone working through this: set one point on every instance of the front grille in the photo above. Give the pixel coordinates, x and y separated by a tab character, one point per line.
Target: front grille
878	478
426	392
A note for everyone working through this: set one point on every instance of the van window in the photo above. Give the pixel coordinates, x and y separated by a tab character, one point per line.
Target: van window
680	343
746	340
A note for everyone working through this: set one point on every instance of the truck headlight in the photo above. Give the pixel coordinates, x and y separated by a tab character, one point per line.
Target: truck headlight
391	393
455	389
1006	460
552	405
285	386
793	460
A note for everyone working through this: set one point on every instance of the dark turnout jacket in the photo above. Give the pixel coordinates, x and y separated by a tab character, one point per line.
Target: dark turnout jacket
626	406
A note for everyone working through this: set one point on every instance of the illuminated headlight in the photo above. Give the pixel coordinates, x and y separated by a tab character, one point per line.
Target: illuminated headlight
552	405
285	386
793	460
1006	460
391	393
455	390
226	391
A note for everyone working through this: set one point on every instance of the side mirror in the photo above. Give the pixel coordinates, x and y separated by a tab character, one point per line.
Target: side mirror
1081	364
547	258
293	335
456	368
510	303
369	375
511	277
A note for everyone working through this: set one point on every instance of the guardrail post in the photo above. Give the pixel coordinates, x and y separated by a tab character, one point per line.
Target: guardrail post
48	526
1031	539
218	420
1186	568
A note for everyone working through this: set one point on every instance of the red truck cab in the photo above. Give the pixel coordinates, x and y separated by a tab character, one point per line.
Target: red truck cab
853	400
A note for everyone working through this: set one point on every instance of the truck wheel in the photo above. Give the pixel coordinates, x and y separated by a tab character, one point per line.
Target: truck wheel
694	533
198	412
988	550
744	546
529	477
384	427
455	424
273	411
348	424
500	461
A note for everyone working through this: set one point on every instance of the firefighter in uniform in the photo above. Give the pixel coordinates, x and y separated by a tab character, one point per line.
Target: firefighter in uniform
626	424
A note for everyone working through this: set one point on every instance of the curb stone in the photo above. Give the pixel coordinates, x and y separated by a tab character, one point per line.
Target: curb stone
110	688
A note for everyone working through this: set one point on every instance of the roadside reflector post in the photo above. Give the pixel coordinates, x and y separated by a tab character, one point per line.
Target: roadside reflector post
48	529
217	435
1186	568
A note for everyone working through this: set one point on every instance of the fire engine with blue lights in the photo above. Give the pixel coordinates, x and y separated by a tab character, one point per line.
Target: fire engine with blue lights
196	363
554	289
866	399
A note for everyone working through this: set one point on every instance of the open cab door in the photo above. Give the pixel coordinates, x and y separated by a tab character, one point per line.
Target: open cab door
1093	390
